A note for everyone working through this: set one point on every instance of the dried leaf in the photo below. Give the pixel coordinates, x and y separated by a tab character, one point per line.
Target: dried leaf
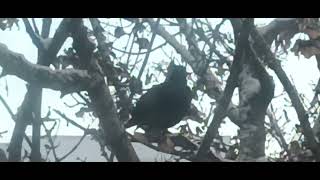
25	155
108	45
195	94
148	78
3	26
308	48
7	88
310	51
313	33
198	131
118	32
141	137
122	65
143	43
221	71
81	112
295	147
167	145
298	128
139	27
135	85
47	146
8	23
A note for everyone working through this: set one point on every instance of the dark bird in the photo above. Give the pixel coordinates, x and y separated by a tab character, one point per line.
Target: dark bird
165	104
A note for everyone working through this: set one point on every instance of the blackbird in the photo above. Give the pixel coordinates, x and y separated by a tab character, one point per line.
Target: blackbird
165	104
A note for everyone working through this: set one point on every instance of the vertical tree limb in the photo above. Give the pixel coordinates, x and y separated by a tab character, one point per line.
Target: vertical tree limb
224	101
263	50
25	116
100	96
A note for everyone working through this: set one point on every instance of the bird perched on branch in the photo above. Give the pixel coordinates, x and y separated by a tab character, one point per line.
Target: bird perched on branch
165	104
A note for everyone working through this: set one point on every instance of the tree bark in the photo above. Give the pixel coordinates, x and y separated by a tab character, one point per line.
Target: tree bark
256	89
100	96
35	94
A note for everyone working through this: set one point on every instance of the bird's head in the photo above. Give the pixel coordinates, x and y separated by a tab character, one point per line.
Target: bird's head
177	74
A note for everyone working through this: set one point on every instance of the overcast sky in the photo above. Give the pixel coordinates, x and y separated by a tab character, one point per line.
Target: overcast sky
303	71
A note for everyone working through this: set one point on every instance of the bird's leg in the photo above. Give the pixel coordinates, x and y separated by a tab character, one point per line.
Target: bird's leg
153	134
165	142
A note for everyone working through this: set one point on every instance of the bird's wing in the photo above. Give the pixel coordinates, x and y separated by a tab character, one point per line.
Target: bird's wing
162	101
150	98
148	101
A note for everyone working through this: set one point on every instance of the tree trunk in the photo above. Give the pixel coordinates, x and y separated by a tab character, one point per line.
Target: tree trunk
99	93
256	90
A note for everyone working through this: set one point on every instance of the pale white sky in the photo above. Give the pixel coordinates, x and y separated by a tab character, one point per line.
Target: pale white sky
303	71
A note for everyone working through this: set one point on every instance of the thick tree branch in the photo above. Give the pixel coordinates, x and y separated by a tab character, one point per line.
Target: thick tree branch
224	101
109	70
56	43
36	95
25	112
100	96
262	48
266	54
277	26
67	81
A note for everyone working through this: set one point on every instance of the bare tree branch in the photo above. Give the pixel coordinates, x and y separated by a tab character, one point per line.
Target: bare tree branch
13	117
36	30
36	39
148	50
74	148
92	132
100	96
24	115
46	25
52	146
276	128
67	81
224	101
263	50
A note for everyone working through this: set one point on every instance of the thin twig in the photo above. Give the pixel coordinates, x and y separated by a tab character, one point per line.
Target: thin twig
140	53
87	131
277	129
263	48
132	43
74	148
36	39
3	132
69	120
147	55
53	148
14	119
36	30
